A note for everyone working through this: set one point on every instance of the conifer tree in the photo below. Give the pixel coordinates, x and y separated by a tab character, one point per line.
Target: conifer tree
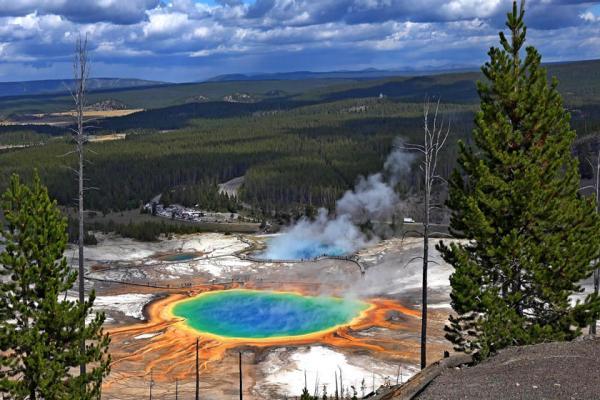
305	395
531	237
40	330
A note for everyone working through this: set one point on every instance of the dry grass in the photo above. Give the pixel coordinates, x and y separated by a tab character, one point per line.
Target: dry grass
107	138
66	117
95	113
7	122
13	146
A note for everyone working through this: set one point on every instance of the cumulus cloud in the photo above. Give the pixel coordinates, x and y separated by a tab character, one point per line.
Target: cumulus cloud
114	11
589	16
230	3
199	39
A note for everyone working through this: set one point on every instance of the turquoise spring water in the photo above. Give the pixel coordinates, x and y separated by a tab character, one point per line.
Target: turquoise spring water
280	249
180	257
262	314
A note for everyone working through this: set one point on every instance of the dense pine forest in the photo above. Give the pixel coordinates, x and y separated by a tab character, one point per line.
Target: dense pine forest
296	143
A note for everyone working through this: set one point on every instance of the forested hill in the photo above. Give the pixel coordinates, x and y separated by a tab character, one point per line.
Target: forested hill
53	86
152	97
298	143
304	155
579	81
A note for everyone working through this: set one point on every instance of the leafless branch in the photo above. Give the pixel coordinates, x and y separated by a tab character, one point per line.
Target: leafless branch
68	153
444	234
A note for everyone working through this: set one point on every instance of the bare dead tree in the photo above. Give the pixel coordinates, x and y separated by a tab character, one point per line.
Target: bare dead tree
373	382
435	134
596	187
80	75
241	382
337	396
197	370
151	383
341	383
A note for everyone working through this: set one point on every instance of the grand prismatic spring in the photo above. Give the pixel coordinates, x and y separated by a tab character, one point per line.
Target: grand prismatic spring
225	319
264	314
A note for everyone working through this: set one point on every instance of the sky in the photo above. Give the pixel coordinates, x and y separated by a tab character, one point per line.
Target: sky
192	40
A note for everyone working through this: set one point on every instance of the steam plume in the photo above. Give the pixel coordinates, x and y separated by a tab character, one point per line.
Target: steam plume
372	199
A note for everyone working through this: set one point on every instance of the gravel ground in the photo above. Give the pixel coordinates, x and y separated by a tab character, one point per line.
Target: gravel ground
546	371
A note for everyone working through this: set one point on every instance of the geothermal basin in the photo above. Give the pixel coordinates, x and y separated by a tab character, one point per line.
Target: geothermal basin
253	314
279	248
287	319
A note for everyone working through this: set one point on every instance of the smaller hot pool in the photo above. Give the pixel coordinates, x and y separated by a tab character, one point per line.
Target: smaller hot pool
299	250
180	257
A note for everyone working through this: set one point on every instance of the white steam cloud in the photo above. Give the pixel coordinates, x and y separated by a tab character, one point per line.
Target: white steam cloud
372	199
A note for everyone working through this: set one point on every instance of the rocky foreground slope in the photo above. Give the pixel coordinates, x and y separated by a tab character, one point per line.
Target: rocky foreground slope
545	371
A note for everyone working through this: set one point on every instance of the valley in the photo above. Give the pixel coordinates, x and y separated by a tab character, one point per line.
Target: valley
269	227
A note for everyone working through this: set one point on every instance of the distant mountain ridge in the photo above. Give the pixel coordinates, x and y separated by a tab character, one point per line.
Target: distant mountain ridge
579	81
369	73
56	86
374	73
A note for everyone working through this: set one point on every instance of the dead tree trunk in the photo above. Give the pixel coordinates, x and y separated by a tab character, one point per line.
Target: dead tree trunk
151	383
197	370
81	73
424	284
434	138
596	289
341	384
241	384
596	169
336	387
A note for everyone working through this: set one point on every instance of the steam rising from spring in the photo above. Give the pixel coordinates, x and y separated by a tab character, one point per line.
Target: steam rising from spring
372	199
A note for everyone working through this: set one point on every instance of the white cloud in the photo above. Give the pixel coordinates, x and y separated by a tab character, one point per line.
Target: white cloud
116	11
461	9
279	34
588	16
161	24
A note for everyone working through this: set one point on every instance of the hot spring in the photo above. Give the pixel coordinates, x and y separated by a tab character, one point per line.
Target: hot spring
326	235
256	314
305	249
179	257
